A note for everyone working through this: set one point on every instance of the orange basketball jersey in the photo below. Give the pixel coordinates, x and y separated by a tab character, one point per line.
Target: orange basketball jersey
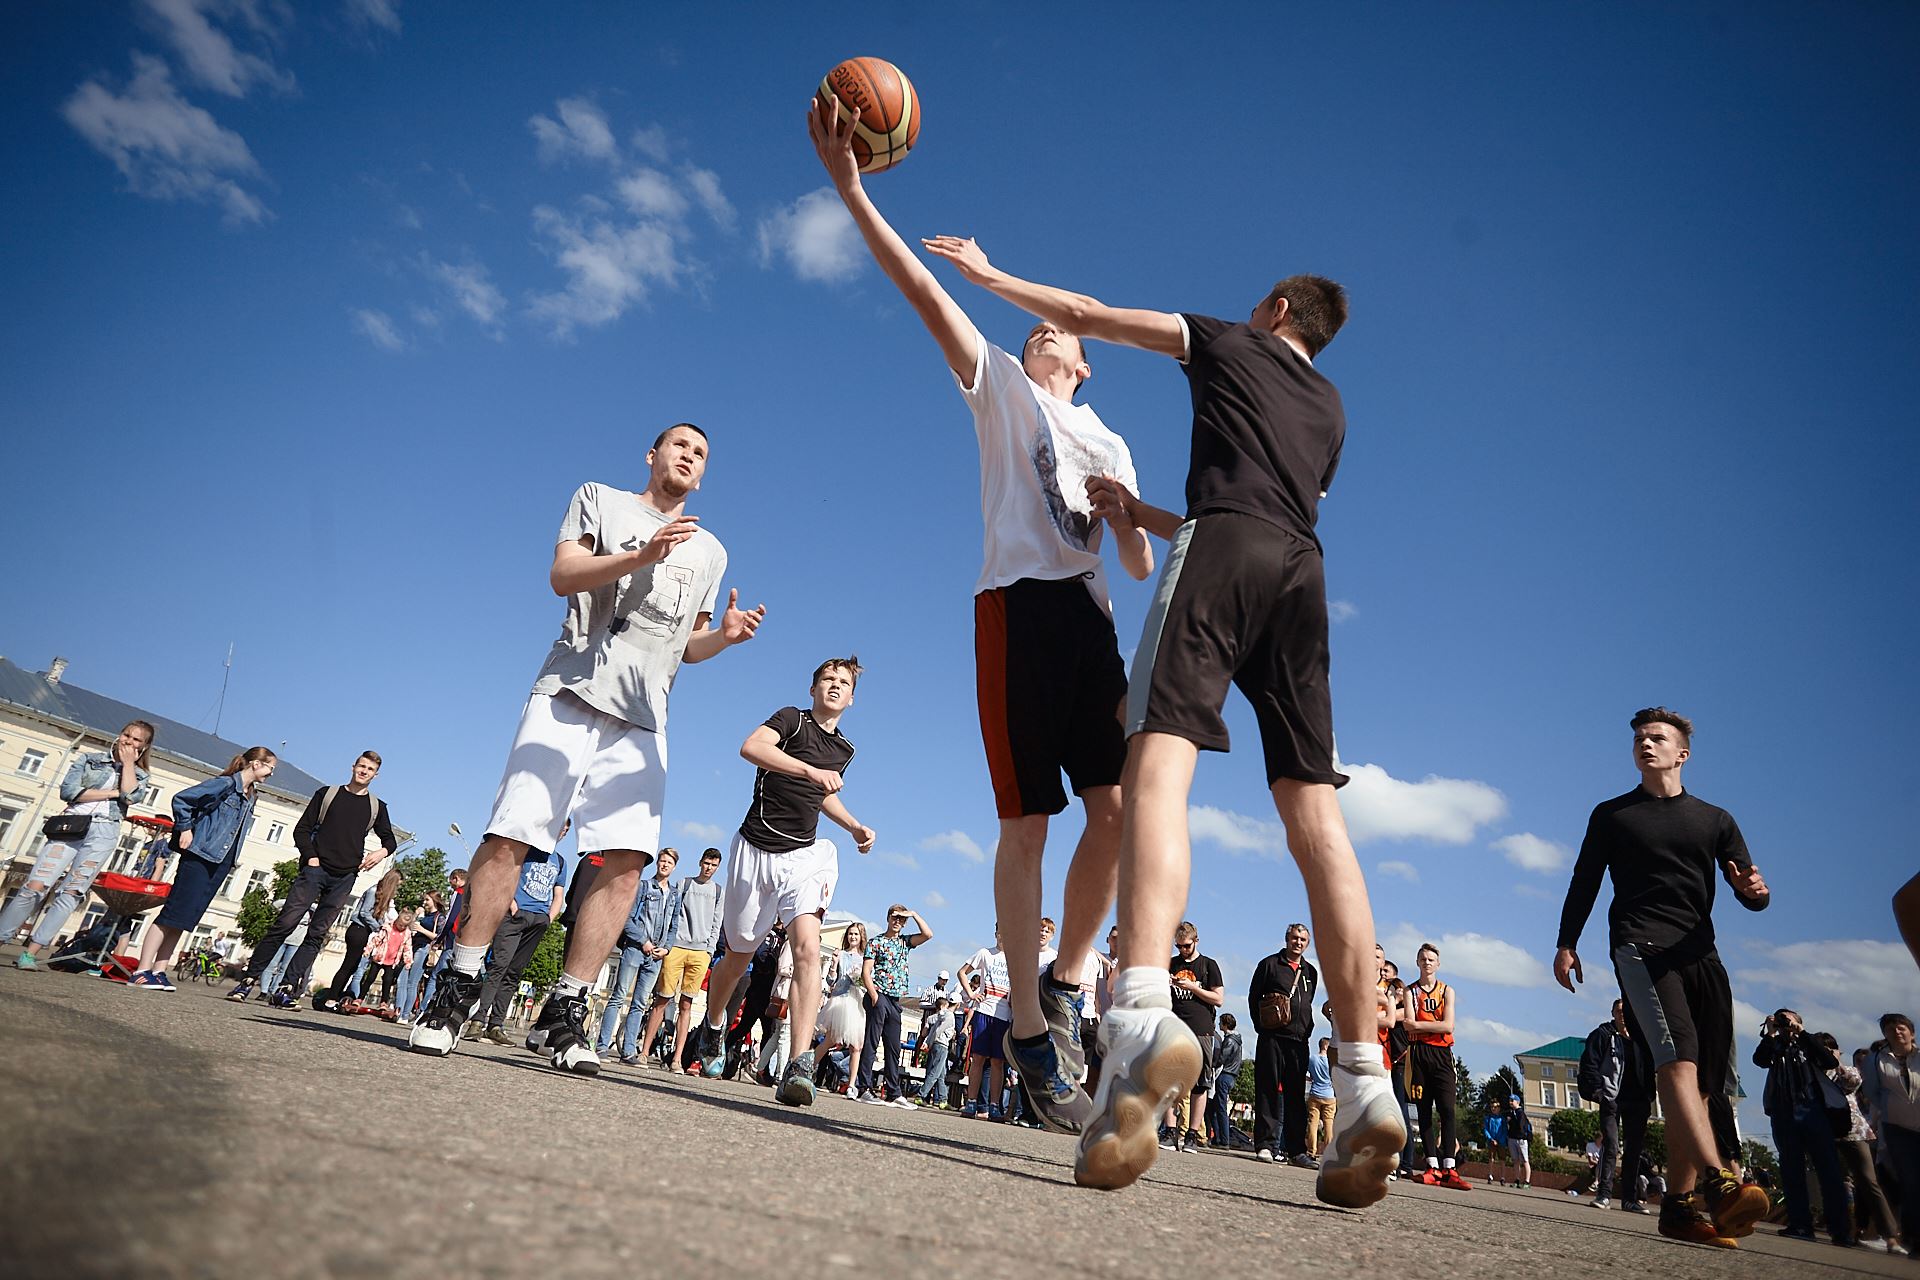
1430	1006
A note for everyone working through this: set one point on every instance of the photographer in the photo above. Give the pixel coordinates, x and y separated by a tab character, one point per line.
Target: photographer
1802	1128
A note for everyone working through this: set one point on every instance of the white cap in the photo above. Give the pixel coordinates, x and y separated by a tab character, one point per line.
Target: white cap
944	975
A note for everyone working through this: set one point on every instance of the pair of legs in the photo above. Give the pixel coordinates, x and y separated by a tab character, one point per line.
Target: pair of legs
989	1077
803	1001
679	980
1320	1112
1434	1085
1092	878
58	883
1518	1148
1279	1085
603	912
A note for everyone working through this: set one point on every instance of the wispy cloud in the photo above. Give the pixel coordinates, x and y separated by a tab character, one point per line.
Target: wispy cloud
814	235
1402	870
906	860
384	14
378	328
165	147
472	289
1475	957
1487	1031
1534	853
1380	806
1342	611
705	185
581	132
705	831
208	53
1841	985
933	899
610	266
1236	832
956	842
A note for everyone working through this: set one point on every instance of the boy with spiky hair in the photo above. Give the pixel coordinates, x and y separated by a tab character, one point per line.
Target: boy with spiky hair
780	869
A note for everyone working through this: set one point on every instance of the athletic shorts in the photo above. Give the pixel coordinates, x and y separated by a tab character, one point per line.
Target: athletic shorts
764	887
1519	1149
682	972
989	1037
1681	1010
1239	602
1431	1068
1050	681
569	760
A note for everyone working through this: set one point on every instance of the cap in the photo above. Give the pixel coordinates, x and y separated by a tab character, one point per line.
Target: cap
944	974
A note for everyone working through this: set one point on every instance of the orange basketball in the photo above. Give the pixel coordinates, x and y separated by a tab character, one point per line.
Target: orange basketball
881	101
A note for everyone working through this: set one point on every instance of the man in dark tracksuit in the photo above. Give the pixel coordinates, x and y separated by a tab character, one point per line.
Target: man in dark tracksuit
1280	1054
537	899
332	839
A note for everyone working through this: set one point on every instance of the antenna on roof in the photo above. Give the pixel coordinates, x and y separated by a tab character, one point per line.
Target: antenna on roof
226	675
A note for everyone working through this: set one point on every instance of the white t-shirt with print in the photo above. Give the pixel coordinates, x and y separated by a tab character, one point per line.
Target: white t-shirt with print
1036	453
990	967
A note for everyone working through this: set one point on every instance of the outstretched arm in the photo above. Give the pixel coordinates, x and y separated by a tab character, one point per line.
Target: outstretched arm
959	342
1087	317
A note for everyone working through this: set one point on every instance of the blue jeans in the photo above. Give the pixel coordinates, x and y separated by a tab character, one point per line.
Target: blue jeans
935	1089
410	978
632	986
1806	1137
353	984
1217	1112
270	979
61	876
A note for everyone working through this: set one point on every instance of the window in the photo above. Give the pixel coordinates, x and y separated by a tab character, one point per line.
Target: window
226	886
31	762
260	880
274	831
1546	1071
149	795
10	811
132	841
1548	1095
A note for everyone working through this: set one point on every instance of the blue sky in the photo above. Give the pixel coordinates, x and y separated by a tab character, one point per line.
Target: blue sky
318	315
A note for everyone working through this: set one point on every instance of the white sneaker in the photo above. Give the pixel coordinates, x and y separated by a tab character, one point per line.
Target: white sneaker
1149	1059
1368	1133
903	1104
1264	1156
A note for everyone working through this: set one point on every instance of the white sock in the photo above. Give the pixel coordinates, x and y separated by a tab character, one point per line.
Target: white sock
569	986
1142	987
1448	1162
1358	1054
1433	1163
467	959
714	1026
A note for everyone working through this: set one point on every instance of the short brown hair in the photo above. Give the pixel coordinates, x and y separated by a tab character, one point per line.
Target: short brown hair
1426	947
1186	930
849	664
370	755
1316	308
662	437
1661	715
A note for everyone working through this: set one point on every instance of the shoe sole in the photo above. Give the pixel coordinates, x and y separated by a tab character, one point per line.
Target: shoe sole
587	1066
1122	1141
1362	1180
1743	1211
415	1046
795	1093
1712	1242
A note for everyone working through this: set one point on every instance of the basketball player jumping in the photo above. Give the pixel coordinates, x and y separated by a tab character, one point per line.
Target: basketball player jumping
1241	600
1047	661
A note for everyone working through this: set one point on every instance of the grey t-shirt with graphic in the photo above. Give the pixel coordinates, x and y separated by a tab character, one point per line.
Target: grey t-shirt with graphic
622	643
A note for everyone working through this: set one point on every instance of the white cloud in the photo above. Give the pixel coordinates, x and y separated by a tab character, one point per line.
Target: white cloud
1473	956
472	289
384	14
206	51
1534	853
1404	870
580	131
1487	1031
1342	611
1236	832
165	147
934	899
651	142
906	860
815	235
958	842
1444	810
705	185
705	831
609	266
651	194
1842	986
378	328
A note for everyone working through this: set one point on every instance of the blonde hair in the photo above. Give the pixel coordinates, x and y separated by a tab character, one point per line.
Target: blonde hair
144	759
389	885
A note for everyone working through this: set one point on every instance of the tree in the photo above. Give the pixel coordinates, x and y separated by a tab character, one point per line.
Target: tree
1573	1128
257	910
544	969
1242	1089
420	872
1467	1104
1756	1157
1656	1143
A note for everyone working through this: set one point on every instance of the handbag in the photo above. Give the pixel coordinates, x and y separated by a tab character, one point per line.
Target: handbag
1833	1100
67	826
1276	1007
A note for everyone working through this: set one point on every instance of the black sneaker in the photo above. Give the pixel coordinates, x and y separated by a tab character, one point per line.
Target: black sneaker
454	1001
1050	1094
562	1028
1064	1012
796	1082
241	992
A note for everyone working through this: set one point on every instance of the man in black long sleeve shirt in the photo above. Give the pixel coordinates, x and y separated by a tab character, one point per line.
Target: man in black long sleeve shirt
1280	1053
1663	849
333	852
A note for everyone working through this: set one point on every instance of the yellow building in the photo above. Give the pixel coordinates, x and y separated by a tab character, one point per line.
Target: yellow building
45	722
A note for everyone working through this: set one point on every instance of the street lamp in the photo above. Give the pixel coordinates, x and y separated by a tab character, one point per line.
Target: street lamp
453	829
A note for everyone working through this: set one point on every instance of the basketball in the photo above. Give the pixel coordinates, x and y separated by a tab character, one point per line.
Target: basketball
881	101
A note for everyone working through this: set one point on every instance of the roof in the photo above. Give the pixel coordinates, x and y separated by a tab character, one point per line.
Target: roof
1568	1048
84	709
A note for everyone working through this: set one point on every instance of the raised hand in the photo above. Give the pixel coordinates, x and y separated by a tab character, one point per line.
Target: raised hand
832	132
667	537
737	625
966	256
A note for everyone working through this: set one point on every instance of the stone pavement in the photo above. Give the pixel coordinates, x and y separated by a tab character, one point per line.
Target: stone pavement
151	1135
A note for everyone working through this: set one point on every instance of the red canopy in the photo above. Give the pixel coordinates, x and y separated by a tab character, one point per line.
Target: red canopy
157	822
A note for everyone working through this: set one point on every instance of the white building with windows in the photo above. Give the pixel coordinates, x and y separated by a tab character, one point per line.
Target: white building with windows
45	722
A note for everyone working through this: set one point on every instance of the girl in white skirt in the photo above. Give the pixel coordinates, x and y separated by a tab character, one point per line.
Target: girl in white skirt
843	1019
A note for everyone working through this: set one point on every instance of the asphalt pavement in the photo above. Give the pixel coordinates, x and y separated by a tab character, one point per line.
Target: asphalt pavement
152	1135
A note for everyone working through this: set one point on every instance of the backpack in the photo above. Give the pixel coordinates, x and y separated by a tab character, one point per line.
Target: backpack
326	803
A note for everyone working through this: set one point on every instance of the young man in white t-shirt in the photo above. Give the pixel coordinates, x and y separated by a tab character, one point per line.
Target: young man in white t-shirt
640	578
1048	665
984	978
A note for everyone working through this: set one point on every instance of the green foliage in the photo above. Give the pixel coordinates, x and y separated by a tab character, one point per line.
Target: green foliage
420	872
1755	1157
544	969
1242	1090
1656	1143
1467	1103
284	874
255	917
1572	1128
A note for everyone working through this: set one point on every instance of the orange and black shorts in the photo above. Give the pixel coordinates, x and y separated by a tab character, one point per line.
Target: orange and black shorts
1051	685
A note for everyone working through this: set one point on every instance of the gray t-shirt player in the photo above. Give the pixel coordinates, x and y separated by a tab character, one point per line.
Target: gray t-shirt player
622	643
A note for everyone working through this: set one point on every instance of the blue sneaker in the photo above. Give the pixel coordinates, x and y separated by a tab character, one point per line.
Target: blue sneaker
997	1114
1064	1012
1052	1097
713	1053
240	993
150	980
967	1110
25	961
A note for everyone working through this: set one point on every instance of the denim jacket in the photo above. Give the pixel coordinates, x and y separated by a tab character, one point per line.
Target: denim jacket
656	915
218	812
96	771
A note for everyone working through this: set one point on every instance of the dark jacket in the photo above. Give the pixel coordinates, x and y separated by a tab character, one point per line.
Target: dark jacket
1275	974
1603	1064
218	812
1228	1054
1794	1063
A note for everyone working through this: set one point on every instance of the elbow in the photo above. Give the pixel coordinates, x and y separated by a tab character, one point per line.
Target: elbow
558	584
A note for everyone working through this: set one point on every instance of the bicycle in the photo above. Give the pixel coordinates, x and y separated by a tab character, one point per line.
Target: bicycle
200	965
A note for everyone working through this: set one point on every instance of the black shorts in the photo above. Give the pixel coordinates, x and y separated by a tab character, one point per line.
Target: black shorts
1430	1071
1682	1010
1244	602
1051	683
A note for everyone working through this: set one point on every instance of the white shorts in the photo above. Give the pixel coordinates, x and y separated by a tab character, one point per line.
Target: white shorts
569	760
763	887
